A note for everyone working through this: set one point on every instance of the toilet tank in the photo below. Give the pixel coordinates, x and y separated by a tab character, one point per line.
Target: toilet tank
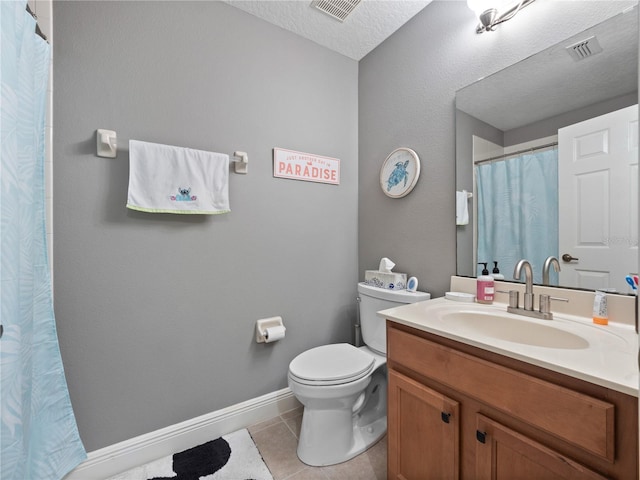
374	299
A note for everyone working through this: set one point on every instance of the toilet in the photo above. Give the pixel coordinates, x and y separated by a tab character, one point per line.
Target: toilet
344	388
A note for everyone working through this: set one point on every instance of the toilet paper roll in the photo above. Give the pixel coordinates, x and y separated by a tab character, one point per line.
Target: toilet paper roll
273	334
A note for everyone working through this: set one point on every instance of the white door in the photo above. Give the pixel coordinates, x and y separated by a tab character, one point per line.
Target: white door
598	200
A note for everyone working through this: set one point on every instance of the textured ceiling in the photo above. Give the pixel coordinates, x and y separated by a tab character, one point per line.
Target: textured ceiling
365	28
551	83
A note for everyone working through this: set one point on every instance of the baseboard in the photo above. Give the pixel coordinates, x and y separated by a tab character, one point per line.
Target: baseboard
111	460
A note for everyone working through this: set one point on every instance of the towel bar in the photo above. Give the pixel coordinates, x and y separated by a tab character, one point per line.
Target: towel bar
107	146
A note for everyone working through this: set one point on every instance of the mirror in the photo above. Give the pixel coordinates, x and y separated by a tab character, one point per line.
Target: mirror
529	101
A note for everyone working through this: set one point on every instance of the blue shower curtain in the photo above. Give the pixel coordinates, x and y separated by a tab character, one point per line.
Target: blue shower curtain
39	437
518	212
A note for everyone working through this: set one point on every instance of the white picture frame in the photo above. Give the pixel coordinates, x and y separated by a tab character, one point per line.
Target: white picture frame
400	172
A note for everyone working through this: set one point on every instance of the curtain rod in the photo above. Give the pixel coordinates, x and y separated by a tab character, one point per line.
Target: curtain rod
504	155
38	31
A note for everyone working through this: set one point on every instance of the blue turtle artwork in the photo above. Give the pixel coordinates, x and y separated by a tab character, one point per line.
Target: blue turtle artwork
398	175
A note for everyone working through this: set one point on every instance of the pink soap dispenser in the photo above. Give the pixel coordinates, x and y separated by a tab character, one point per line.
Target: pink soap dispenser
484	286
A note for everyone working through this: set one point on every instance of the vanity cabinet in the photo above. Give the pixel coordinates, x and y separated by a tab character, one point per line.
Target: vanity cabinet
503	453
457	411
422	417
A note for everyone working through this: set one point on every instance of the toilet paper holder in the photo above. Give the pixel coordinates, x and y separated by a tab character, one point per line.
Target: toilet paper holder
263	324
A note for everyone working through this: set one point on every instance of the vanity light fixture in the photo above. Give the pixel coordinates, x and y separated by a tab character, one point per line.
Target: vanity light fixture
494	12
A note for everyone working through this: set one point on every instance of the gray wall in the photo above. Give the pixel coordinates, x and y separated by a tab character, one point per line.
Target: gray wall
156	313
550	126
466	127
407	90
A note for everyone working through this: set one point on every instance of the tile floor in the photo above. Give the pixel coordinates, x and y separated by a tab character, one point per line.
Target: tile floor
277	440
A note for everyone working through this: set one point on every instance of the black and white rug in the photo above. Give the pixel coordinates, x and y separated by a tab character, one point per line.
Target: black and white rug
230	457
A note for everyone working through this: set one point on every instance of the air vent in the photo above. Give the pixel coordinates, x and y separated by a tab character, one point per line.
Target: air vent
585	48
338	9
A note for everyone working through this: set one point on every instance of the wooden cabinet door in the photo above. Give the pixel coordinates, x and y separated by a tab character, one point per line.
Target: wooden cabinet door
502	453
423	435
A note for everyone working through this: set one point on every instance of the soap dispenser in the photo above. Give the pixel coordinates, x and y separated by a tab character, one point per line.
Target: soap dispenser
484	286
496	273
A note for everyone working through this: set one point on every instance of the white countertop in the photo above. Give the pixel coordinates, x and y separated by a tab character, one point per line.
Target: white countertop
603	355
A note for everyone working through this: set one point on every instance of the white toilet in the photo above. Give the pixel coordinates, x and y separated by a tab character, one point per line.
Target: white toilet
344	388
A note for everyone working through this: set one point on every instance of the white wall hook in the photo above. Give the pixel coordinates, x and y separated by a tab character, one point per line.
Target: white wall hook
106	143
242	165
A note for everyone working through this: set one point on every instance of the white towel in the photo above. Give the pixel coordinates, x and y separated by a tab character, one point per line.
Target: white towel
167	179
462	208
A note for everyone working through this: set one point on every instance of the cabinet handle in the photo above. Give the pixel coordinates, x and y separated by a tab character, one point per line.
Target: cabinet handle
481	436
445	417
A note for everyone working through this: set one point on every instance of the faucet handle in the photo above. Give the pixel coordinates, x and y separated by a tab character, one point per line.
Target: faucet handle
545	302
514	298
560	299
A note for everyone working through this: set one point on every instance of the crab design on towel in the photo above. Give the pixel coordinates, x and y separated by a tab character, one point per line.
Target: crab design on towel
398	175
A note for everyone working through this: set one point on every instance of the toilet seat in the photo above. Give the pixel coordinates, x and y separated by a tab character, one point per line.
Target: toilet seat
331	365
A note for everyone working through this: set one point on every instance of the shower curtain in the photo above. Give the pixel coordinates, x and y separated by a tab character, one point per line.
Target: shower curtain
518	212
38	433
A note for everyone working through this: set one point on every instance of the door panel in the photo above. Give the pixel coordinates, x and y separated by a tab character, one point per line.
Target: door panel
423	437
598	200
502	453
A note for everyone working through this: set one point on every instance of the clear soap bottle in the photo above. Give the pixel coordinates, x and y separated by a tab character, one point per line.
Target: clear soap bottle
496	272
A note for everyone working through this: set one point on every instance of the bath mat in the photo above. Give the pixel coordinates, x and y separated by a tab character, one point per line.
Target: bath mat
230	457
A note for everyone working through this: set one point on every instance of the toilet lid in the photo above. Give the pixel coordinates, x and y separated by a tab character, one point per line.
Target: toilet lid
331	364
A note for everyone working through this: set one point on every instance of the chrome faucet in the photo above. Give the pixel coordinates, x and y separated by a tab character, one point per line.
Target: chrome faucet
547	265
528	276
545	300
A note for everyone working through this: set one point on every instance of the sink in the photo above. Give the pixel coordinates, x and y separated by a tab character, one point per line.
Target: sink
512	329
568	344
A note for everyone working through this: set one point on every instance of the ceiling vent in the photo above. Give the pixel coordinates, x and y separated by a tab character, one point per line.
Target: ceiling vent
585	48
338	9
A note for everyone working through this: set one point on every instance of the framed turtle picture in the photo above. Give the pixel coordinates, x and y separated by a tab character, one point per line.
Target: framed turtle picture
400	172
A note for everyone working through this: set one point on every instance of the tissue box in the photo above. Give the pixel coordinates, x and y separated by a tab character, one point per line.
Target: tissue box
390	281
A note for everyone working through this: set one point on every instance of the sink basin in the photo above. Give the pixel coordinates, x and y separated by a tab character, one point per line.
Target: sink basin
568	344
506	327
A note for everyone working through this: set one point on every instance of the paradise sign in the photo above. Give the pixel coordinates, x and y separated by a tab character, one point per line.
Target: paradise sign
305	166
